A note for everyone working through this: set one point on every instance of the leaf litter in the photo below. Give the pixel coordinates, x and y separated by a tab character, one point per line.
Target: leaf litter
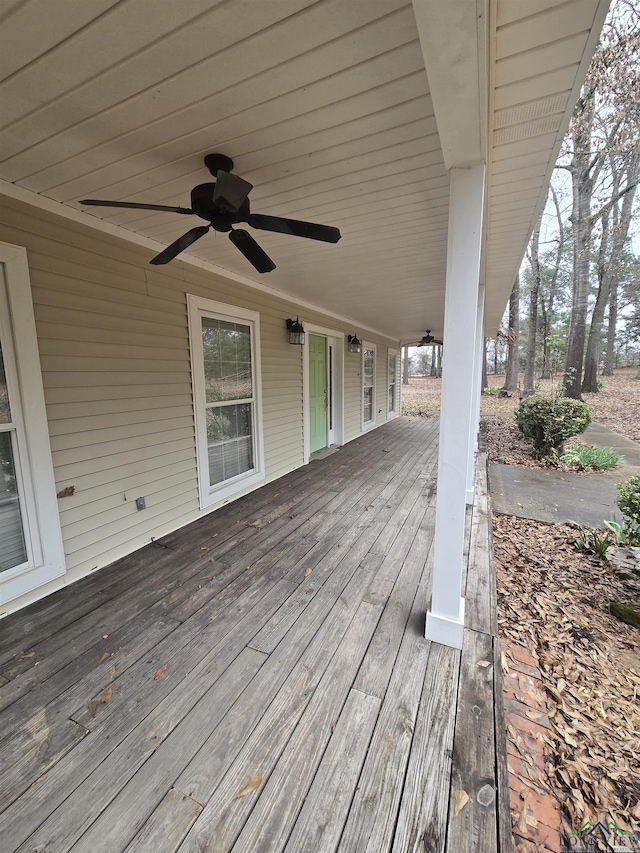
553	599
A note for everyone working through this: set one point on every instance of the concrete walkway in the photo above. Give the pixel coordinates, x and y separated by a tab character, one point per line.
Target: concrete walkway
547	494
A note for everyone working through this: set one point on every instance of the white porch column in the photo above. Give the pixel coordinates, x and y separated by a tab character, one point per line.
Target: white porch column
477	391
445	619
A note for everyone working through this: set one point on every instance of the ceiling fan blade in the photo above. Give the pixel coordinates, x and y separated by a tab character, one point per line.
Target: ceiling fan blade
180	245
251	250
297	227
230	192
133	206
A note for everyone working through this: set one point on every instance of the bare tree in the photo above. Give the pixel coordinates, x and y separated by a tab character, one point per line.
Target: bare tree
547	305
534	261
616	220
405	366
605	119
513	354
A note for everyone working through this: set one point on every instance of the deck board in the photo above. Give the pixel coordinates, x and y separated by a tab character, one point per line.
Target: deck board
291	624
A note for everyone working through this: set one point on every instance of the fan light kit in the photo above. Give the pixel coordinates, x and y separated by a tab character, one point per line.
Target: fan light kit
223	204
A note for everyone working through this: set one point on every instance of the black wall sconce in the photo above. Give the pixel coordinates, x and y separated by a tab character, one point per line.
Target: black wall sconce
354	344
296	332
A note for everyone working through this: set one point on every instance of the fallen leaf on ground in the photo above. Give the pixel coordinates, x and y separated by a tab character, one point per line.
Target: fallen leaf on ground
91	706
253	783
461	798
107	694
112	670
308	572
26	654
160	672
103	658
483	663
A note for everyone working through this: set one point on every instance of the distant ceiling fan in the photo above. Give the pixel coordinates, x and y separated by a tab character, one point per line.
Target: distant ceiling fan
223	204
428	339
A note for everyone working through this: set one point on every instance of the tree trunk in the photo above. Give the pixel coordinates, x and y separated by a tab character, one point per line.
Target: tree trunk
547	309
511	370
438	350
485	381
405	366
609	270
609	358
534	261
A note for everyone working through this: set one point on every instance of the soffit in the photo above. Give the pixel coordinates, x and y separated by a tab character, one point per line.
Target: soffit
323	105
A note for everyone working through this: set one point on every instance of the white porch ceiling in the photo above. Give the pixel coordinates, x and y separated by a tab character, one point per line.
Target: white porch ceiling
324	105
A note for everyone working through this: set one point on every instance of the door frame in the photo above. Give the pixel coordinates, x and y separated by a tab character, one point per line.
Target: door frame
335	386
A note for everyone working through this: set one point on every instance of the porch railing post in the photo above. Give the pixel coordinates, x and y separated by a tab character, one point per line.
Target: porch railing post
445	619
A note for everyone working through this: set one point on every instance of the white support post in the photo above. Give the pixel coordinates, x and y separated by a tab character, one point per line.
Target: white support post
476	390
445	619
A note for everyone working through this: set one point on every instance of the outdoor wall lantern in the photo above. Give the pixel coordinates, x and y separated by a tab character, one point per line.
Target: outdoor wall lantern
296	332
354	344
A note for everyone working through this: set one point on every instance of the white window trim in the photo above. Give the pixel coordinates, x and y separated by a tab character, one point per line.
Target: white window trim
392	413
198	307
367	425
42	528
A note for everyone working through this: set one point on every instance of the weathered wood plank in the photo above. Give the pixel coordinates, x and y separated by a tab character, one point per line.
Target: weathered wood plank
479	608
377	666
138	695
319	824
422	820
505	837
289	677
129	806
474	827
374	809
167	826
37	733
224	817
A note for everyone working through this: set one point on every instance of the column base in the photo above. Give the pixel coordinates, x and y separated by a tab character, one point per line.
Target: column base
469	497
447	632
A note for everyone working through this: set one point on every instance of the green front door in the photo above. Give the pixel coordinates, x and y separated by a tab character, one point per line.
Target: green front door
318	397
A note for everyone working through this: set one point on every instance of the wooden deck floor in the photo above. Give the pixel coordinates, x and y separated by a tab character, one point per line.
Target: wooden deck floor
259	681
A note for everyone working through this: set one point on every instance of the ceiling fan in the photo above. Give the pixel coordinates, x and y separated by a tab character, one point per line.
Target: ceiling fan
428	339
223	204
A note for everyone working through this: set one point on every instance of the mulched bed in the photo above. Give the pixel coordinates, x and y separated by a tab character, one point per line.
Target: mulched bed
553	599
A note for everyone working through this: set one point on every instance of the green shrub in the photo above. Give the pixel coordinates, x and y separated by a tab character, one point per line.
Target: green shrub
491	389
593	541
548	421
629	498
591	458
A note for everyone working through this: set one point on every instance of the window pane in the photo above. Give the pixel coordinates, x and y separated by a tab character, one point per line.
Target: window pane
369	357
12	547
392	368
392	398
368	405
227	360
229	441
5	413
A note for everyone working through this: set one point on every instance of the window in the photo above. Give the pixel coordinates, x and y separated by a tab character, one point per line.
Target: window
392	403
31	551
368	385
224	345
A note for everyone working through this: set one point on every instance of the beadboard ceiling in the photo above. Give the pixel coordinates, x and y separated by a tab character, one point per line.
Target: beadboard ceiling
324	105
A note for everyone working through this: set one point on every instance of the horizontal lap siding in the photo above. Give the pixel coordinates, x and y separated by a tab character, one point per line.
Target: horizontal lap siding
114	351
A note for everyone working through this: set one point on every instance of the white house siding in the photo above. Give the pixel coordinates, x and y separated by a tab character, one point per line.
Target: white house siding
114	350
